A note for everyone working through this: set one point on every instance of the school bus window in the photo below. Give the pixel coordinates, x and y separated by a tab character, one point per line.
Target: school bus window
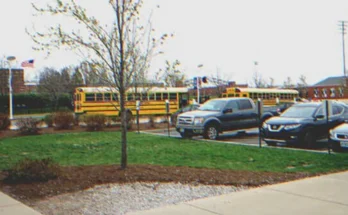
143	96
165	96
152	96
172	96
158	96
90	97
230	95
130	97
99	96
137	96
245	95
282	96
115	97
107	96
237	95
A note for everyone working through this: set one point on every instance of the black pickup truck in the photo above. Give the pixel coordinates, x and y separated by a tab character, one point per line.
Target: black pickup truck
218	115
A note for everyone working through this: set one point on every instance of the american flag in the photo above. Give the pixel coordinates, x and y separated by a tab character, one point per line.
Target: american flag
28	63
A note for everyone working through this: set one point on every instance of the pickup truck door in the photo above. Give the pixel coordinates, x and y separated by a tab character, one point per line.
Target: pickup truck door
231	120
249	114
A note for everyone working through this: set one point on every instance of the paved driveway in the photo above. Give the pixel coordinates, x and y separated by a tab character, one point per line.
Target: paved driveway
247	137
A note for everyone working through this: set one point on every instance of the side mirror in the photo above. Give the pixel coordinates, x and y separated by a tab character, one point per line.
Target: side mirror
319	116
228	110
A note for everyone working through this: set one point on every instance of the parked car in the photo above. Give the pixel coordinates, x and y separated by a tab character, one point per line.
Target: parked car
303	124
339	137
187	108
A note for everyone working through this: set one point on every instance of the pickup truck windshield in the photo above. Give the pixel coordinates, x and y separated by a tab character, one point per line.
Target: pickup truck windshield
213	105
299	112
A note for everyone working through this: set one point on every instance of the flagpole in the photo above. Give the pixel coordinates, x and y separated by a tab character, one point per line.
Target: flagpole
9	59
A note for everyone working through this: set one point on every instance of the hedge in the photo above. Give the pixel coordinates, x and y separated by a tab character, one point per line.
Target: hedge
34	103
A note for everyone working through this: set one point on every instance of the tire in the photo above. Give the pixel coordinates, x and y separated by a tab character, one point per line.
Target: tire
186	135
211	132
336	147
308	140
271	143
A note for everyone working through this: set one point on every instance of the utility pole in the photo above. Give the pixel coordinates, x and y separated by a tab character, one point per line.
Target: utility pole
343	26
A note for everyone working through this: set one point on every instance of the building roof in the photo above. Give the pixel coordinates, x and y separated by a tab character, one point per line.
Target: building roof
332	81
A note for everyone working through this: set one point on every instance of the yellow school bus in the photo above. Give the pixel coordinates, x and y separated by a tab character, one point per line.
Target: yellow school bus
269	96
105	100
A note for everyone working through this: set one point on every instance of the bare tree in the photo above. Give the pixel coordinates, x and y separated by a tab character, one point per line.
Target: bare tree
50	84
288	83
220	81
258	81
171	75
270	84
111	49
302	86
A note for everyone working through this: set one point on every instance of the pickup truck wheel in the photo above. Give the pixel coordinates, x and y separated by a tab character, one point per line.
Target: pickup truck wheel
186	135
308	140
211	132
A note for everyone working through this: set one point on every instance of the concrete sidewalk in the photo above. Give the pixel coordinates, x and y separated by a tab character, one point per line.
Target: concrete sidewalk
9	206
318	195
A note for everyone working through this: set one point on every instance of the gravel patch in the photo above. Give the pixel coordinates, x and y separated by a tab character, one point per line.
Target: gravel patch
115	199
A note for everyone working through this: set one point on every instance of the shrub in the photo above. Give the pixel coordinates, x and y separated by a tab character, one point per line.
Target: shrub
4	122
165	120
27	171
63	120
49	120
28	126
152	123
129	119
95	122
111	120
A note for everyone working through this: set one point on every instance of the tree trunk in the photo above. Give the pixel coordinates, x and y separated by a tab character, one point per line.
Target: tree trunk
123	132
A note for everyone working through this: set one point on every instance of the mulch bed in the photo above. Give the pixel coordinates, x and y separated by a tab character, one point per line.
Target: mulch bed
74	179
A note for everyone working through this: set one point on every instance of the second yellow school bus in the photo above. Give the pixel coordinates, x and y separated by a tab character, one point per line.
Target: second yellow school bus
269	96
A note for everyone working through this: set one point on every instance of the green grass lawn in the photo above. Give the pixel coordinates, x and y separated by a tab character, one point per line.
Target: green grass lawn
93	148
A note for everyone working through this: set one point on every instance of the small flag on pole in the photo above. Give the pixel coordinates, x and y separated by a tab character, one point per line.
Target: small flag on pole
28	63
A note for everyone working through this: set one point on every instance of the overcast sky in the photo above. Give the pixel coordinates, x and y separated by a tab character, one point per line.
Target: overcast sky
288	38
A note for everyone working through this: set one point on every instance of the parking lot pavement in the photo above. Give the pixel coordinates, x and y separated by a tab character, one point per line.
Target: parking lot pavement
248	137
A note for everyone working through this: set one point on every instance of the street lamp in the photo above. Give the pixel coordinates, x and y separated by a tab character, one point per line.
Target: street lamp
9	60
198	83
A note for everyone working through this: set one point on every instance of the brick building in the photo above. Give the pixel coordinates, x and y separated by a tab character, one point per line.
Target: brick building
330	88
18	84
